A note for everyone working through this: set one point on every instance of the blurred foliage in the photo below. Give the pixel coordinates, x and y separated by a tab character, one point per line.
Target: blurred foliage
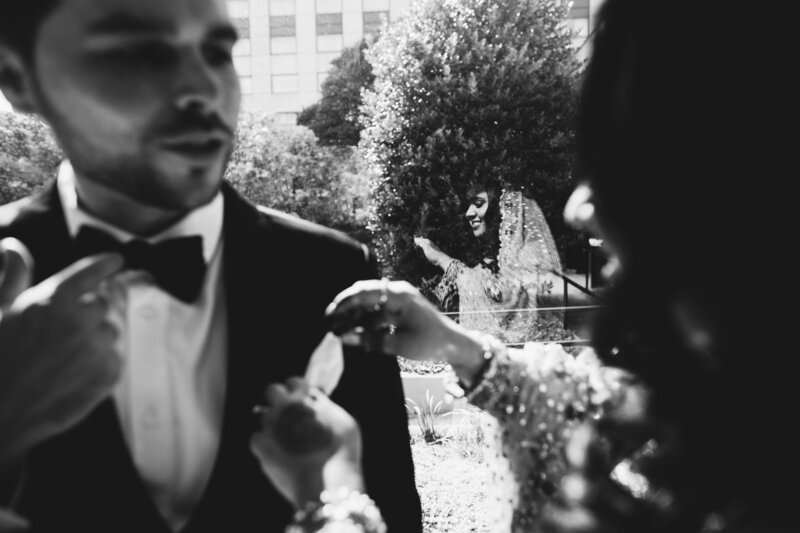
334	119
276	166
422	368
283	167
467	91
29	155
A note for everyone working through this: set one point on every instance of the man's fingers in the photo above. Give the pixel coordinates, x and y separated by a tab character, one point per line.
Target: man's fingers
276	394
16	270
297	386
84	275
264	446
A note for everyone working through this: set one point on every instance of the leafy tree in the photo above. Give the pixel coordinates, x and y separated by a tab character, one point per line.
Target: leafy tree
29	155
283	167
466	91
334	119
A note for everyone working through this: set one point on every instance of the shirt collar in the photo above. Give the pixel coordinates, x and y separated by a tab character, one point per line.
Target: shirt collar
205	221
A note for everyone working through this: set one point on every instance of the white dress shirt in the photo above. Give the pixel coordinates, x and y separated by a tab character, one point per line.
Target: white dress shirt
171	395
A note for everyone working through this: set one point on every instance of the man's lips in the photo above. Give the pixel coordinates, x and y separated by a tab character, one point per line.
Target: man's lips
197	145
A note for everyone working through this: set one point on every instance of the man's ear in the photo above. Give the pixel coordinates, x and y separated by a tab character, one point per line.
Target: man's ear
15	81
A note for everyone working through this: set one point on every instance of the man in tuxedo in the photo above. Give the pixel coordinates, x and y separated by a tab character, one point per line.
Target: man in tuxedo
216	298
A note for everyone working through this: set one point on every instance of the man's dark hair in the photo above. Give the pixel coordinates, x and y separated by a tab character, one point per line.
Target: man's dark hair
20	21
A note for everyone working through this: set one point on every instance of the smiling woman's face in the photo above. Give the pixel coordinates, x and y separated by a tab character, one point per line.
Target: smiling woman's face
476	213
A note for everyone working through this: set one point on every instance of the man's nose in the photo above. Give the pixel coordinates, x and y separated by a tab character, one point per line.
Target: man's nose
197	85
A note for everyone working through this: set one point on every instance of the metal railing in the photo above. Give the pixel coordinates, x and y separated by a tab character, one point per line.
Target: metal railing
568	282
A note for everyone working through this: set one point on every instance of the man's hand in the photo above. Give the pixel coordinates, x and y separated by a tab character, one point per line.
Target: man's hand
307	443
57	355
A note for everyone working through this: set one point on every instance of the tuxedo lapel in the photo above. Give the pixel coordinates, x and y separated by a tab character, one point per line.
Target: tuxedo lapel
251	275
57	469
41	226
262	305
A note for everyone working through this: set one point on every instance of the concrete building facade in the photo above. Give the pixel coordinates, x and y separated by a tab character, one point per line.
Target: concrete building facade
287	46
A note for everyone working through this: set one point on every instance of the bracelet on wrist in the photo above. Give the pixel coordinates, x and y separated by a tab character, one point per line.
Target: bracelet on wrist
456	387
339	511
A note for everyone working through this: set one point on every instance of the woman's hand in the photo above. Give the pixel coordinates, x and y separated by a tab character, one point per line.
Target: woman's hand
307	443
432	252
393	317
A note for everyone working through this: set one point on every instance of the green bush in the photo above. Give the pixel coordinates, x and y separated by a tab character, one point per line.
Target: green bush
426	416
29	155
334	119
466	90
283	167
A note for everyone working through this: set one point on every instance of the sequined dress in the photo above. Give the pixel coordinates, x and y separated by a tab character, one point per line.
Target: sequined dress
536	397
504	304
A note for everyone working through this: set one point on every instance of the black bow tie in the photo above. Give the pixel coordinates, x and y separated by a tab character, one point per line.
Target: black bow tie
177	265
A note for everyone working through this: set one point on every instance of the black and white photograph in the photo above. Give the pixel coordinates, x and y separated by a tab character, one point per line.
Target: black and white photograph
397	266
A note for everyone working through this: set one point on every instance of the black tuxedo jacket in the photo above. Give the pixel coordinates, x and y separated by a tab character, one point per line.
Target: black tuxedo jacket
280	273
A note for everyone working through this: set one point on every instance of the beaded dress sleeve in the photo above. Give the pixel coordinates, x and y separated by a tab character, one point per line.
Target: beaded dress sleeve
504	303
536	397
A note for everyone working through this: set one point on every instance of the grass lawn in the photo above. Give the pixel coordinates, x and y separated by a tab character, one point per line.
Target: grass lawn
453	479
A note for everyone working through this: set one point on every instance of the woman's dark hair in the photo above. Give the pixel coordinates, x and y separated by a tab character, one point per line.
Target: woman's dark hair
683	153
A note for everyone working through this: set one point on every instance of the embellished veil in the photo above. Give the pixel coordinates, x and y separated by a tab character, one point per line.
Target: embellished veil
505	304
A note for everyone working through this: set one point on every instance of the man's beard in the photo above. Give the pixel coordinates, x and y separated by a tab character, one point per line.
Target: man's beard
132	174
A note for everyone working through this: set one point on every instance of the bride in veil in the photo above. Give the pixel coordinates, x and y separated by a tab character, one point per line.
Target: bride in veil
500	294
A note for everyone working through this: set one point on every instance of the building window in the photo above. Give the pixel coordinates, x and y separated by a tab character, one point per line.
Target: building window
328	6
282	31
579	28
375	5
285	64
238	9
280	7
284	83
246	83
283	26
373	21
285	118
579	9
243	66
282	45
330	43
242	48
329	24
242	26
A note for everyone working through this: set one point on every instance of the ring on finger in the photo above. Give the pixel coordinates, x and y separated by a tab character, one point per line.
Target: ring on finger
384	296
260	409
